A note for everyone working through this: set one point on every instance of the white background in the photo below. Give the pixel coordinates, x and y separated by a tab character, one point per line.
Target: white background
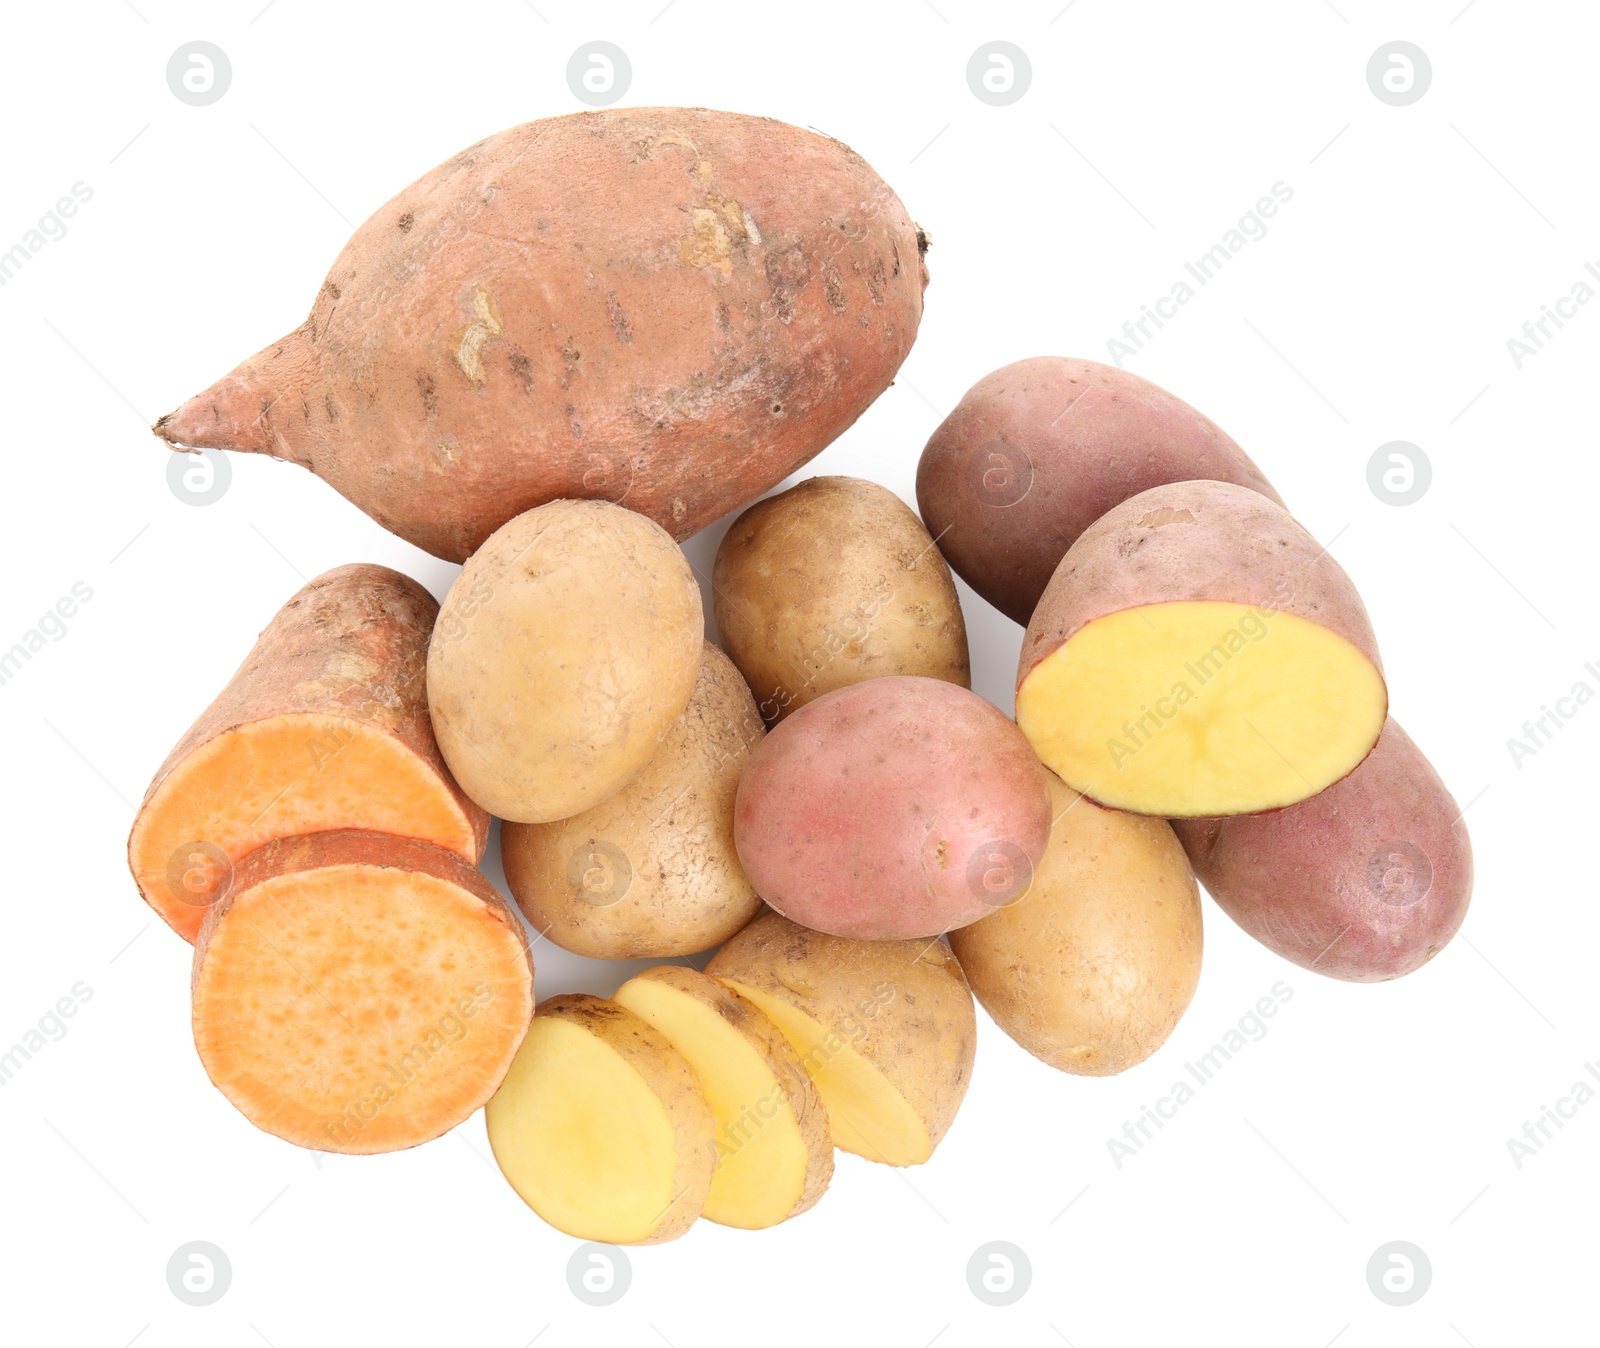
1378	307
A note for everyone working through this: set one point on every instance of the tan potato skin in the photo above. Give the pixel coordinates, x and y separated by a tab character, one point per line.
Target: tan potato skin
1037	451
829	583
767	1040
1336	883
1196	541
903	1005
351	643
673	308
682	889
565	650
1091	969
645	1049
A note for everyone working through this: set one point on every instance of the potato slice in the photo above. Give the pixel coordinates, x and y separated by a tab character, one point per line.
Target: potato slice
359	993
774	1154
1091	969
886	1029
1199	653
601	1126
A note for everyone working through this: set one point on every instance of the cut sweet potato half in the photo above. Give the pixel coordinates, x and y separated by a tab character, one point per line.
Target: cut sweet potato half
774	1153
1198	653
357	992
601	1126
324	727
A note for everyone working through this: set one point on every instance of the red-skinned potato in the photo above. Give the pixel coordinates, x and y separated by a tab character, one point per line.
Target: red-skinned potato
893	809
1198	652
670	308
1038	450
1364	882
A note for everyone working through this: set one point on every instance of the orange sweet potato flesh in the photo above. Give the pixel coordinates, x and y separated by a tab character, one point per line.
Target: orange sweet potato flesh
325	726
669	308
358	992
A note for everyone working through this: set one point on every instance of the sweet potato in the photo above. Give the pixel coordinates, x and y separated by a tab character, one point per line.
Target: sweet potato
886	1029
829	583
672	308
1366	881
325	726
566	649
774	1151
651	871
896	808
1197	652
1037	451
357	992
601	1126
1091	968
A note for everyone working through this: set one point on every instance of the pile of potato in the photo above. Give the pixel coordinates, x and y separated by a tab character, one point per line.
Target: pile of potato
553	398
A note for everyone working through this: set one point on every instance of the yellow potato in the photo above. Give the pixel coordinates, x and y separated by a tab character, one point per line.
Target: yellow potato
1090	969
601	1126
774	1152
652	871
564	652
829	583
886	1029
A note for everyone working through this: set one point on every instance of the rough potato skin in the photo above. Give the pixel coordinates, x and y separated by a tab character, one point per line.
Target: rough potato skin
903	1005
673	308
1091	969
351	643
892	809
645	1049
1366	881
1196	541
565	650
765	1037
652	871
832	582
1037	451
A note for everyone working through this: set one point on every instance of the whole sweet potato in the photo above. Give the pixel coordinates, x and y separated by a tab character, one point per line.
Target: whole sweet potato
1364	882
670	308
1037	451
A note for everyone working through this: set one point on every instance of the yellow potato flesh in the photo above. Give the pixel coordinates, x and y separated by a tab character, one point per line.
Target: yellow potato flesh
1202	708
582	1138
866	1114
761	1156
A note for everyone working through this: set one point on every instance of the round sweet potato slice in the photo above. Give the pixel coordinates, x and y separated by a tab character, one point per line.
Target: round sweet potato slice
356	992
